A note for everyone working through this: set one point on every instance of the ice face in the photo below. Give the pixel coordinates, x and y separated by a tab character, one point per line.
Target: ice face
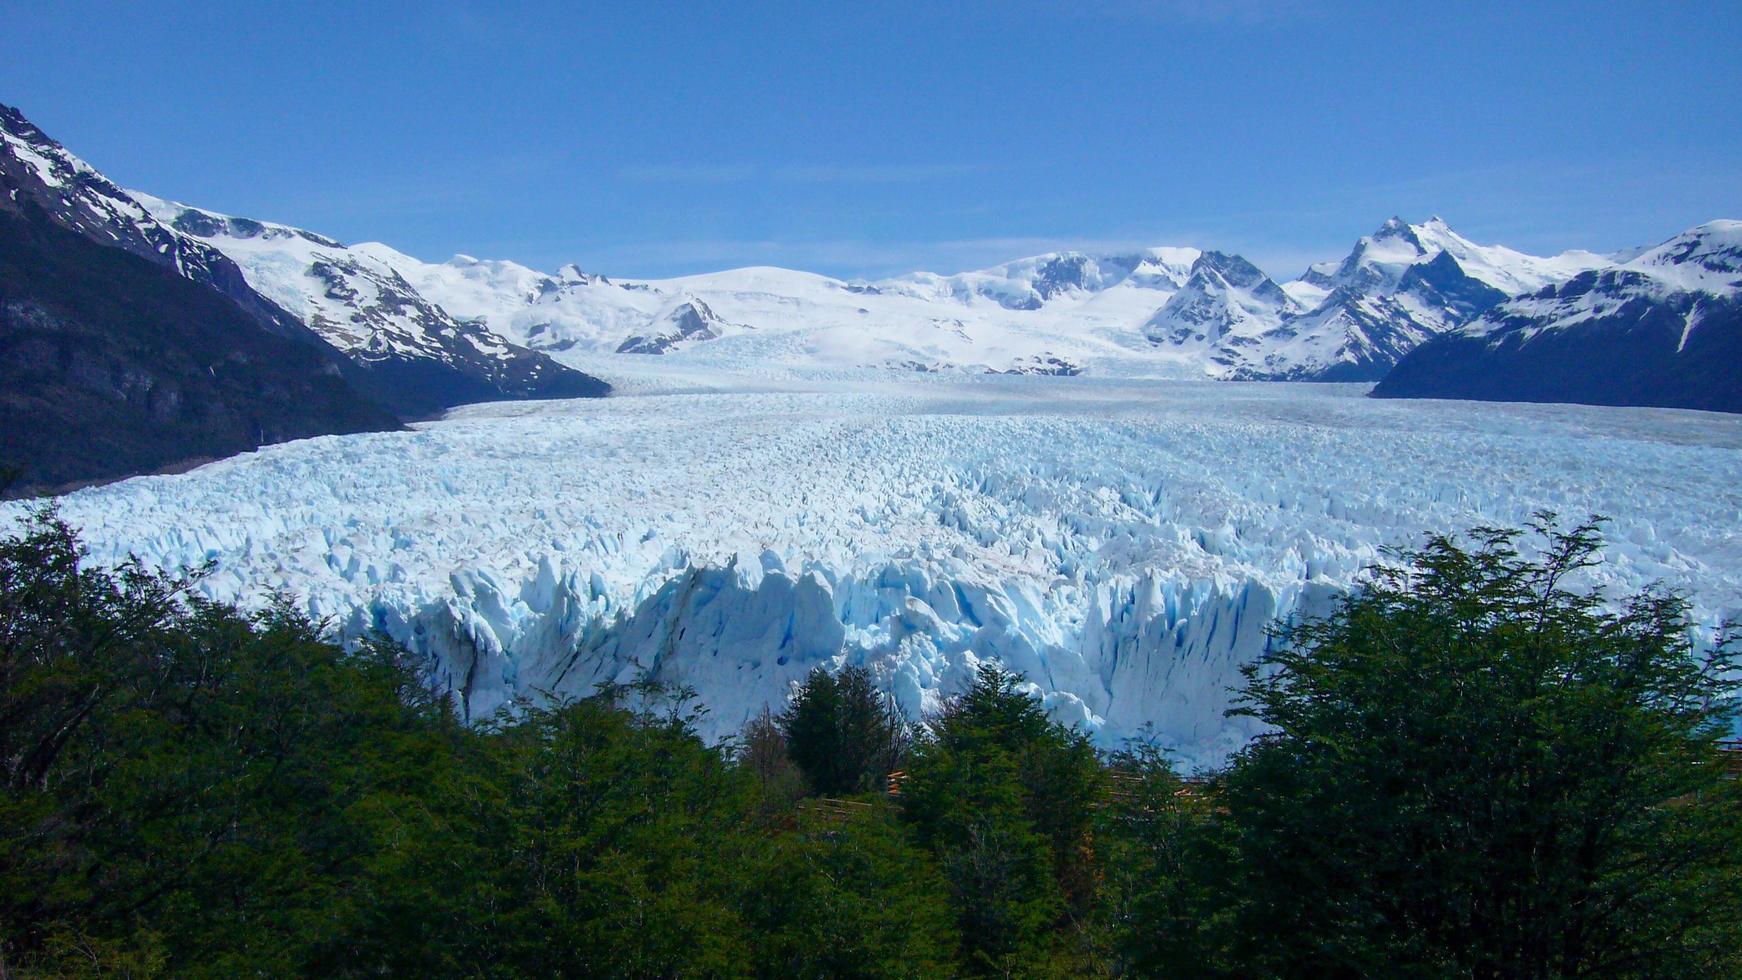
1124	544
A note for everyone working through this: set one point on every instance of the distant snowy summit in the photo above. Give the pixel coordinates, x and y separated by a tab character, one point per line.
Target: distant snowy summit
1661	329
430	335
1168	312
1351	321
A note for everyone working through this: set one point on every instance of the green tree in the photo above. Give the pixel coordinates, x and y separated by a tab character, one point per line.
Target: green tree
191	790
1005	798
1474	770
849	897
618	840
843	733
760	752
1170	874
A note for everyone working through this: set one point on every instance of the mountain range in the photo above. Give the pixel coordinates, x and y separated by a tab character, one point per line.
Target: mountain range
319	336
131	345
1179	312
1663	328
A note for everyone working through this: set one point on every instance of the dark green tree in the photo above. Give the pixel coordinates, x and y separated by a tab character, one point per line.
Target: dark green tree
1169	873
1005	799
1475	770
849	897
843	733
190	790
619	841
760	753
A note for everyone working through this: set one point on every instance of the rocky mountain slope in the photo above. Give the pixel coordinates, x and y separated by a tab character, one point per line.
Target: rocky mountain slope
421	336
1663	329
1349	321
424	358
415	358
111	364
436	334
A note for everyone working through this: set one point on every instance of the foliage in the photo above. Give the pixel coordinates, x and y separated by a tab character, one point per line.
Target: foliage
851	897
1169	870
1003	796
1472	770
1476	770
761	752
186	787
843	733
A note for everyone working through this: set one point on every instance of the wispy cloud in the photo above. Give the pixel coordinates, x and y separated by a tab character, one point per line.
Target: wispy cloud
689	173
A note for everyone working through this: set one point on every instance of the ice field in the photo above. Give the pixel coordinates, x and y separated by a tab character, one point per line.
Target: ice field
1123	543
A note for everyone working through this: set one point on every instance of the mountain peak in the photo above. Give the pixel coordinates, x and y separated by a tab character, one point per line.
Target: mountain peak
684	320
1705	257
1398	229
1721	233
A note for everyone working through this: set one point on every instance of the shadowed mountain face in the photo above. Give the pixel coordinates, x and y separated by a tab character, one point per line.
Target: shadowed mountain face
1635	356
75	196
130	344
414	357
112	365
1664	329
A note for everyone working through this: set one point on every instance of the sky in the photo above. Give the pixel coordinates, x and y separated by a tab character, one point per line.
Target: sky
866	139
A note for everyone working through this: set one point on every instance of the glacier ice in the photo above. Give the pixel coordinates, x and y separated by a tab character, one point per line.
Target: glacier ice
1125	544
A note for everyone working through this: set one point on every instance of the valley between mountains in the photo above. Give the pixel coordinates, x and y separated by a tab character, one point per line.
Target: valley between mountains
1112	472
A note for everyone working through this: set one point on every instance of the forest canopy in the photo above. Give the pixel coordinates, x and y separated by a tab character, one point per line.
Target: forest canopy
1472	767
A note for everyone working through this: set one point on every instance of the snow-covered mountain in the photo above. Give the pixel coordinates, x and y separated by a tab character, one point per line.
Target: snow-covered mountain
437	334
687	321
1224	296
76	196
1030	284
126	349
468	329
1351	321
1663	328
1168	312
1070	306
417	358
360	304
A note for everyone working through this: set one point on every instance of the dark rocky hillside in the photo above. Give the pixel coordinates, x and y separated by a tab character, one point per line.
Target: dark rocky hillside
112	365
1662	330
1643	354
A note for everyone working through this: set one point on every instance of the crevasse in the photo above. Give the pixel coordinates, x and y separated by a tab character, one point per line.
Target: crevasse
1124	544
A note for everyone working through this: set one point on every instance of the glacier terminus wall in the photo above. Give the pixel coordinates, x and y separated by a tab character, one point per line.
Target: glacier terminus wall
1124	544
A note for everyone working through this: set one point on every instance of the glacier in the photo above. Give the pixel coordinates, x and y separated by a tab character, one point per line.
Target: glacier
1124	543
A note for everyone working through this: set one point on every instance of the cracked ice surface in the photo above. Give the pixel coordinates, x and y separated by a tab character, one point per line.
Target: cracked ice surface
1124	544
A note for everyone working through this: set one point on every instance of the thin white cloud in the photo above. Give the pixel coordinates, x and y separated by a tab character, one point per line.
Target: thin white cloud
878	173
689	173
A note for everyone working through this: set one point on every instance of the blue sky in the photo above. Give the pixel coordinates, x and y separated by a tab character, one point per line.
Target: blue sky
870	138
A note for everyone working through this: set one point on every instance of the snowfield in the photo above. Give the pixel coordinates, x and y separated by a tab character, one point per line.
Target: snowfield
1124	543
